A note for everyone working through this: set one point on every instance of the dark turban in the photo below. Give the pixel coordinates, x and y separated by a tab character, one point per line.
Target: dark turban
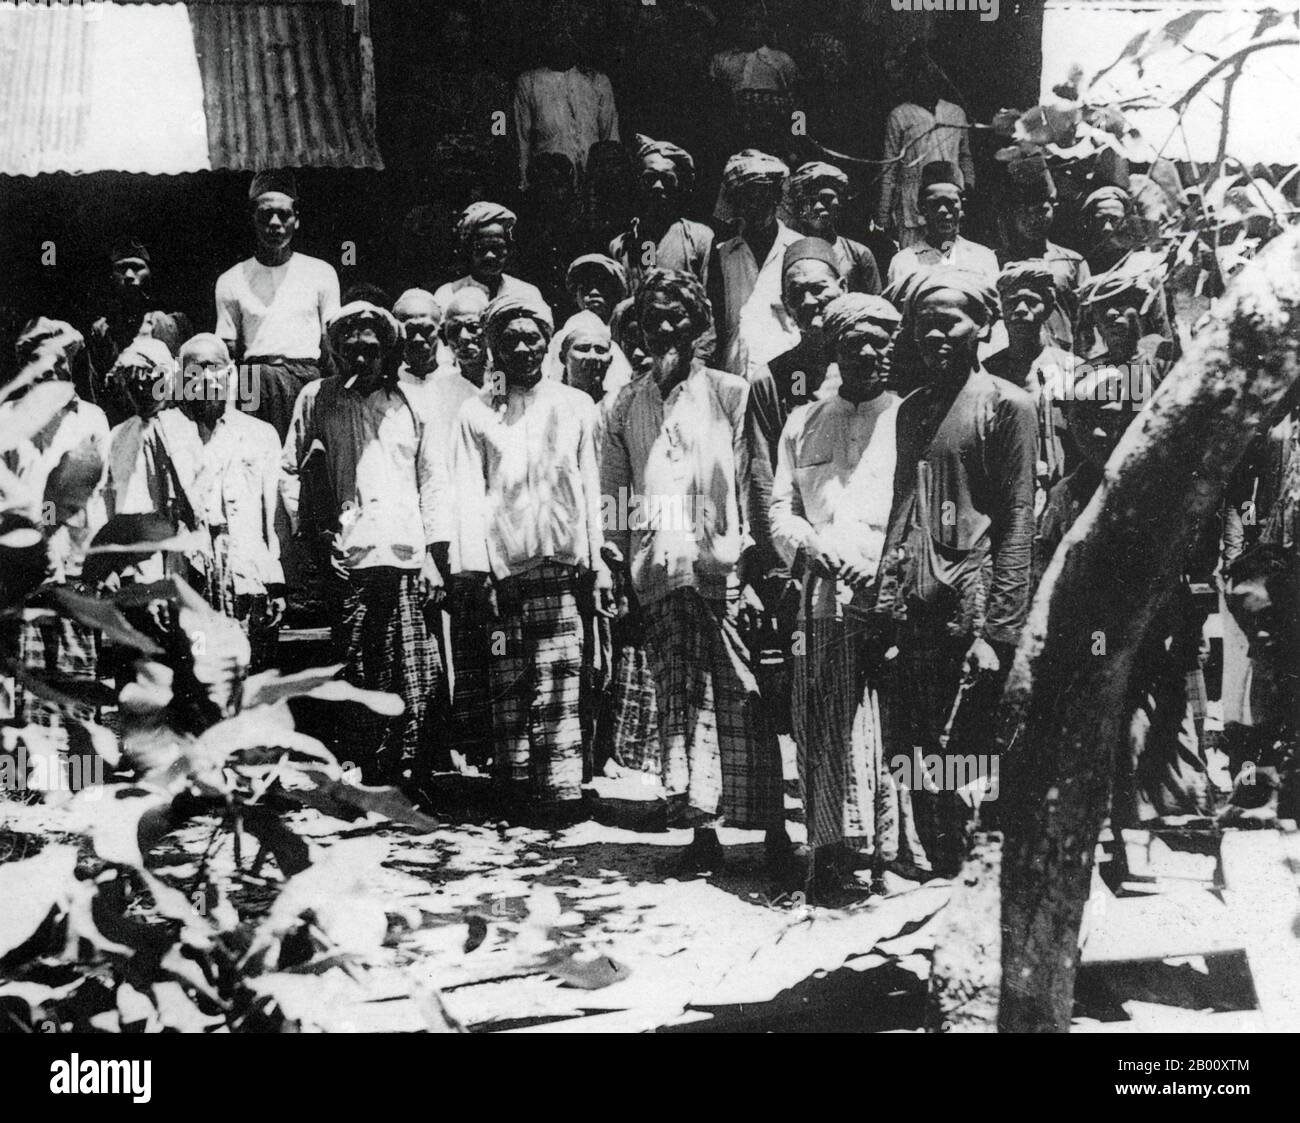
504	310
814	175
1102	194
981	297
753	166
681	286
360	313
846	312
1028	274
282	181
128	249
478	215
665	149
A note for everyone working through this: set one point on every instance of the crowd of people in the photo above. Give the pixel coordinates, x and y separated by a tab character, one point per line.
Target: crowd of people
694	489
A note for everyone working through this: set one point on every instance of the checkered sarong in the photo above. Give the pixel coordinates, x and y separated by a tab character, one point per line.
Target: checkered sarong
715	745
537	684
55	648
383	640
633	724
469	728
856	799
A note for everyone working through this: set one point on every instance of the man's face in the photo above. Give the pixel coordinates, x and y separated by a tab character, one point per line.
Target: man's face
821	212
634	348
1120	322
666	324
946	334
592	289
360	353
1024	308
809	287
275	220
590	354
1105	224
463	333
522	345
488	251
131	275
1096	428
658	184
208	385
756	203
941	207
1032	220
858	353
420	327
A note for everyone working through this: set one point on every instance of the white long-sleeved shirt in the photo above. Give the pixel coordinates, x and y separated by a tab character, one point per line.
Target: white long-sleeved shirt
756	321
388	481
277	310
438	398
527	482
237	488
961	254
153	464
565	111
835	477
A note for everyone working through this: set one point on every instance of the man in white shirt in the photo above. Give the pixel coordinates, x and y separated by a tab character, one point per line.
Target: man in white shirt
940	203
272	308
529	535
385	537
436	390
238	494
561	106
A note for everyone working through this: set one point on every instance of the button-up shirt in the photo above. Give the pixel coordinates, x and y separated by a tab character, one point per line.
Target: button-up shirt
672	473
563	111
751	301
835	478
527	481
237	490
153	465
438	397
960	254
387	483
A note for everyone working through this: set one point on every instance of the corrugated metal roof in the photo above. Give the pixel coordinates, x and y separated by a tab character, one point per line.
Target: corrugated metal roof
285	85
169	88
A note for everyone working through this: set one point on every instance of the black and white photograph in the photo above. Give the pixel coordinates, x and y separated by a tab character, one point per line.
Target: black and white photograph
650	516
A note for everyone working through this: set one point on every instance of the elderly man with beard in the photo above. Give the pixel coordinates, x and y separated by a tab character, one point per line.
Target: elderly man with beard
385	537
272	307
817	194
529	538
956	572
486	235
62	465
237	491
675	446
658	237
830	507
941	202
744	273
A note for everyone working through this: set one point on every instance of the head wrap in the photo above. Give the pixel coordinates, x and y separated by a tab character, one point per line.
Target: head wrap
145	351
679	285
583	321
980	295
681	159
846	312
362	313
128	249
620	323
752	166
504	310
1030	181
612	270
810	249
470	299
812	176
942	171
203	339
478	215
43	334
1032	274
1102	194
281	180
423	300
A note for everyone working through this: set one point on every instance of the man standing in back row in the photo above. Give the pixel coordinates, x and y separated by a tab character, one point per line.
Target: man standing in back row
272	307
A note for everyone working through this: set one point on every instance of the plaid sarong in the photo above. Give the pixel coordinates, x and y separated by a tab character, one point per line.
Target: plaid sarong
536	684
469	728
55	648
382	637
856	798
716	747
633	716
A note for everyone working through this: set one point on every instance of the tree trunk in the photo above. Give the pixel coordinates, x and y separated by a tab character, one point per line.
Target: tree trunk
964	978
1064	705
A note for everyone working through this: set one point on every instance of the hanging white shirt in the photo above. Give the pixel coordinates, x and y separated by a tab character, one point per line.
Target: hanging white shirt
565	111
277	310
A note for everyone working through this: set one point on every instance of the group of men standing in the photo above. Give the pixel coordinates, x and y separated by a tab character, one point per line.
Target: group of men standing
543	541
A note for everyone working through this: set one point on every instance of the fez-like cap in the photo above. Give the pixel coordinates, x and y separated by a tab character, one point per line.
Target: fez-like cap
810	249
1030	181
942	171
280	180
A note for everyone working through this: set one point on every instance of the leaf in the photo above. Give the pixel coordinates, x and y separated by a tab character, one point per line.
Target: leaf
342	800
24	418
178	1011
317	682
104	616
122	820
290	851
30	889
73	480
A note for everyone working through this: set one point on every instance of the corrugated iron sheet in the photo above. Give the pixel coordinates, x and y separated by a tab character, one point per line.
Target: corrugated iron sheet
285	85
169	88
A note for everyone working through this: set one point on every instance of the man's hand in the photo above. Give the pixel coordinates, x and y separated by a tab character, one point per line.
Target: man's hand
982	658
275	609
823	559
432	589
